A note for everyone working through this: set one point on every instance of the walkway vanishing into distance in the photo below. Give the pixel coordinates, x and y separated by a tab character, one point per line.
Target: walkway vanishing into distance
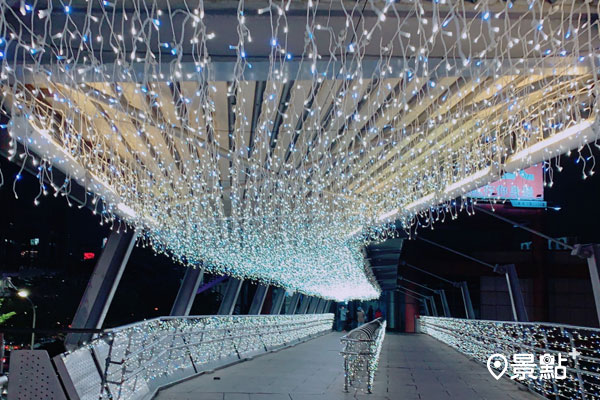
411	366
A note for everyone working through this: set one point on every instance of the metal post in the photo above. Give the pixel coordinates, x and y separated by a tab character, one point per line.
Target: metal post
514	291
312	307
433	306
294	301
469	313
445	307
231	294
259	299
426	306
518	225
102	286
304	303
321	307
187	291
457	252
326	307
278	300
405	264
411	295
34	317
591	252
440	292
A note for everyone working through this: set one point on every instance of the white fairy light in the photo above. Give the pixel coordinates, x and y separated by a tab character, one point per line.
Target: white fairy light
359	123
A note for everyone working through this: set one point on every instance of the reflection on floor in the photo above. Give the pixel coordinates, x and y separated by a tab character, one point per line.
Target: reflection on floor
412	366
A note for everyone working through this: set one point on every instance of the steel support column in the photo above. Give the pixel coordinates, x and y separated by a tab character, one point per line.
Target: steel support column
326	307
319	308
187	292
314	303
514	291
469	313
306	300
278	300
424	302
259	299
230	298
591	252
102	286
433	306
294	301
445	307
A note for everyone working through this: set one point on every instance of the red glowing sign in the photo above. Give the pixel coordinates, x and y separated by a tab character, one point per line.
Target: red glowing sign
527	184
89	255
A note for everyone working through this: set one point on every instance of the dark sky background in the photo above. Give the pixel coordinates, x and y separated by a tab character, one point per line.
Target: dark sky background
150	282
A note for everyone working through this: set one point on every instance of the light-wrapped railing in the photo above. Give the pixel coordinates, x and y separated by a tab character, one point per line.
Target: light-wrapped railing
133	361
578	346
362	346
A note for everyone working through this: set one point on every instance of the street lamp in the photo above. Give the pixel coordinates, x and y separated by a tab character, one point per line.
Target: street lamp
24	294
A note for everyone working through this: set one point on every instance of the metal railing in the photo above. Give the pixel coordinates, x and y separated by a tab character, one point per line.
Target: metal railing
578	347
134	361
362	347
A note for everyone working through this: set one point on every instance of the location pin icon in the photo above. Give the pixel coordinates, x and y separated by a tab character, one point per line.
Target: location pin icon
495	362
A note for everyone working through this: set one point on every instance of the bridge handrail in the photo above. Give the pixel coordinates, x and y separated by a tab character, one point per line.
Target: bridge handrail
482	338
133	361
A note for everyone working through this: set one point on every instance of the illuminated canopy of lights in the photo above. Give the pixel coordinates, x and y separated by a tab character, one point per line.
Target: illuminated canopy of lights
271	140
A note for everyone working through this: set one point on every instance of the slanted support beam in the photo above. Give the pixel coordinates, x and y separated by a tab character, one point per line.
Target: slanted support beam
294	301
231	294
259	299
426	306
464	288
187	292
445	307
278	300
433	306
440	292
102	286
591	252
514	291
326	307
314	303
306	300
460	253
321	308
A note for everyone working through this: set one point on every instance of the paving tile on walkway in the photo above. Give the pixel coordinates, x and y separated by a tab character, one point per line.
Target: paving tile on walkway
412	366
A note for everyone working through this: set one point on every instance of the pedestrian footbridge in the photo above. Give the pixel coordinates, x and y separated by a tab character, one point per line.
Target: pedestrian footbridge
299	357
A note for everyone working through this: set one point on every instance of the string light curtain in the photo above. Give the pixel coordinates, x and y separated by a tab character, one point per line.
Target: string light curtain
272	140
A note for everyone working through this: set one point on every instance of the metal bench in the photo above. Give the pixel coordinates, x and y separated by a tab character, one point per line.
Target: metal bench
362	346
